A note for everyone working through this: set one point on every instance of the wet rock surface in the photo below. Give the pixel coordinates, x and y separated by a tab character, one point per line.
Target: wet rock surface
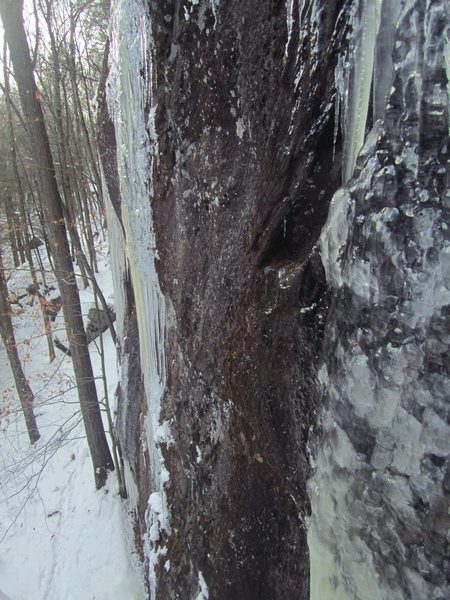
241	193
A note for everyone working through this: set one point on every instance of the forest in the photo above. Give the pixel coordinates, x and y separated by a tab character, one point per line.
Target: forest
53	235
224	299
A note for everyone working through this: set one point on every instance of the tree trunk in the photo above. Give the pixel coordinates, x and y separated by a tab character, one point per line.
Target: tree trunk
7	333
11	14
63	142
83	262
92	155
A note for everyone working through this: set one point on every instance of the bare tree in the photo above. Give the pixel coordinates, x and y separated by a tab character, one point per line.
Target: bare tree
11	14
24	225
7	334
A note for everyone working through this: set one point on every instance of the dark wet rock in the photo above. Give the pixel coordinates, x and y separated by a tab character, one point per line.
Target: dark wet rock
35	242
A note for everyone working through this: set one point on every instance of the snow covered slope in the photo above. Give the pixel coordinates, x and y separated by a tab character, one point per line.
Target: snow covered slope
59	537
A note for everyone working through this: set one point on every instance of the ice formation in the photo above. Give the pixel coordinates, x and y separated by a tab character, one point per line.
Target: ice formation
289	22
366	64
387	15
203	594
379	496
214	7
130	57
354	78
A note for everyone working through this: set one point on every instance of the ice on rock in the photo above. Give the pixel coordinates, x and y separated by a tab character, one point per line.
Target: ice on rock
135	168
289	22
118	264
447	62
214	7
435	434
129	94
379	494
408	450
356	83
334	235
367	65
204	593
387	13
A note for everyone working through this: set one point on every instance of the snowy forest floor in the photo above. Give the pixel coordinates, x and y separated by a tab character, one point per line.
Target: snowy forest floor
60	539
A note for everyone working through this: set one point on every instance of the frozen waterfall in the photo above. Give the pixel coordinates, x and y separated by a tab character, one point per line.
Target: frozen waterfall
379	495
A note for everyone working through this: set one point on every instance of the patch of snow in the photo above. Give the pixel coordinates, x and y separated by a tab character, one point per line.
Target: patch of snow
163	434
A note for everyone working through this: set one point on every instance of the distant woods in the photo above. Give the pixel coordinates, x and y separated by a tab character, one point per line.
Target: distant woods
66	40
51	175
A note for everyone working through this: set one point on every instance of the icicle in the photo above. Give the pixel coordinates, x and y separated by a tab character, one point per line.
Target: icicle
387	15
369	58
359	82
336	122
341	99
137	149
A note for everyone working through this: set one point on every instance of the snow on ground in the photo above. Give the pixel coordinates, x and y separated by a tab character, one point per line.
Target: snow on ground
60	539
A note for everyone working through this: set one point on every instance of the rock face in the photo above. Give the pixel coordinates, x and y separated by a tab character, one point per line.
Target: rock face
228	156
97	322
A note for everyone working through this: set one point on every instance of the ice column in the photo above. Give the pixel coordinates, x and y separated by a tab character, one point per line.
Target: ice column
358	82
137	146
368	63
